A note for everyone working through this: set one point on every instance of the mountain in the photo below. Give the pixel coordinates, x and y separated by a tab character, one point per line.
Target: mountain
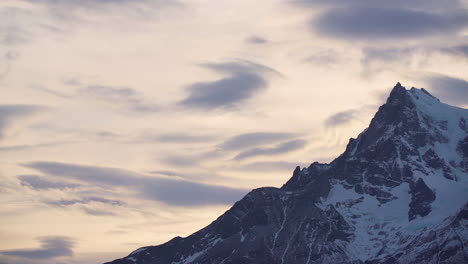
398	194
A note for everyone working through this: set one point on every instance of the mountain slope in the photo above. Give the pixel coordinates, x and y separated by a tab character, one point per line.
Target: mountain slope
398	194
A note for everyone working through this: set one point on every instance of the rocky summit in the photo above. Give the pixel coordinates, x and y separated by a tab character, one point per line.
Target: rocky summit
398	194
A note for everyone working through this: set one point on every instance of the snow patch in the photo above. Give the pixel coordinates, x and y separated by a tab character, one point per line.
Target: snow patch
131	259
139	250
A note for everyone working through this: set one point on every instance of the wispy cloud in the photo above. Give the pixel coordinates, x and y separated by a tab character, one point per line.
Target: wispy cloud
124	98
10	113
244	79
267	166
41	183
191	160
340	118
14	148
169	191
324	58
70	10
167	173
97	212
54	92
256	40
182	160
128	97
386	23
87	200
5	62
97	3
51	247
449	89
459	51
387	55
176	137
419	4
249	140
13	29
276	150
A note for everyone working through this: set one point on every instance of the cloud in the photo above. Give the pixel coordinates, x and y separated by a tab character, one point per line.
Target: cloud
54	92
94	3
270	166
324	57
90	205
167	173
97	212
387	54
278	149
83	3
256	40
125	96
13	29
50	247
461	50
108	92
10	113
11	35
41	183
253	139
189	176
32	146
239	66
386	23
101	175
408	54
182	160
340	118
176	138
414	4
70	9
87	200
224	93
449	89
191	160
185	193
169	191
375	60
7	59
244	80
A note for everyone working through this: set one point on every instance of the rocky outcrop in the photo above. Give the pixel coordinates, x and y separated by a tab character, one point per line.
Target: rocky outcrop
421	199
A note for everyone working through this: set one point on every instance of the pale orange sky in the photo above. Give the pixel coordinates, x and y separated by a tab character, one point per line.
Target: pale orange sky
126	123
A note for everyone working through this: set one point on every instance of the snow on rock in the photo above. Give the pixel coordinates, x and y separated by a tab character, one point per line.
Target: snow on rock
138	250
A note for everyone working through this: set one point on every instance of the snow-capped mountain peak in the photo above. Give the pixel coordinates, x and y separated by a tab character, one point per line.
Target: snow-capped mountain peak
398	194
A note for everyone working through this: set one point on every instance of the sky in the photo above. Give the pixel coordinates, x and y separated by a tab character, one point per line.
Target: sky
125	123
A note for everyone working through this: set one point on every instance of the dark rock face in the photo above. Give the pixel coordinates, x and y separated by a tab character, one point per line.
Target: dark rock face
396	195
421	199
267	226
432	160
463	149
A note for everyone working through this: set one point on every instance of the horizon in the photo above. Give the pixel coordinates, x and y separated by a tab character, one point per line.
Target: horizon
128	123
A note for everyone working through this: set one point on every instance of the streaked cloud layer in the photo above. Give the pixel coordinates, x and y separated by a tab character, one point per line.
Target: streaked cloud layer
169	191
275	150
253	139
244	79
50	247
387	23
449	89
126	123
10	113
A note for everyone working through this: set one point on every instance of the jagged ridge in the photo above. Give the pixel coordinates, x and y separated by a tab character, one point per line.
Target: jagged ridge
396	195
